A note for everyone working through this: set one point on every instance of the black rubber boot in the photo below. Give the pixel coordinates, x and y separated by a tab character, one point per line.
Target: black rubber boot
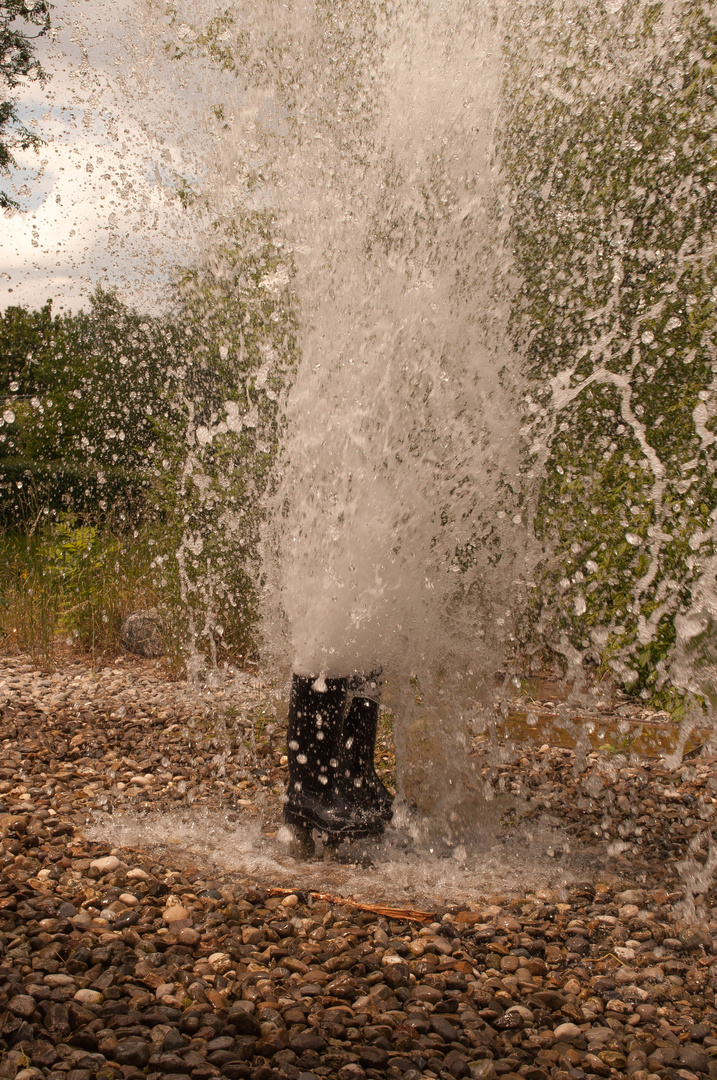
357	768
315	799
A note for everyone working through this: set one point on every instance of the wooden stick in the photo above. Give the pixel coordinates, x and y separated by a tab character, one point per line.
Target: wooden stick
409	914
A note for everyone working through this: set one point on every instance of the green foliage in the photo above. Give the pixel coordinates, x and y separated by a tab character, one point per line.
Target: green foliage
609	149
84	396
17	63
239	330
170	424
70	579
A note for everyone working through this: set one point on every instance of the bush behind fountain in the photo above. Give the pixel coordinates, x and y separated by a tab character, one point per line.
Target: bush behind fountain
137	451
608	146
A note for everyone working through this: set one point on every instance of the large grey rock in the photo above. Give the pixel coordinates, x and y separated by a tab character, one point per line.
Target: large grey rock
141	633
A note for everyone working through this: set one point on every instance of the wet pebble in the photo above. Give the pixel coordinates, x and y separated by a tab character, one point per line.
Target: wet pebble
120	964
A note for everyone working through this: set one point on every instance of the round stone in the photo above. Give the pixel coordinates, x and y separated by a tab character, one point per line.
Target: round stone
523	1012
175	913
221	961
22	1005
567	1032
141	633
106	864
89	997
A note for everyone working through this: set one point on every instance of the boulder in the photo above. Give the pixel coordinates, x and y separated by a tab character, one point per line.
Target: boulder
141	633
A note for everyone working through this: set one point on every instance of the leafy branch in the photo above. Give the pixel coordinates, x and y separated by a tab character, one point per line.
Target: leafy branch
18	62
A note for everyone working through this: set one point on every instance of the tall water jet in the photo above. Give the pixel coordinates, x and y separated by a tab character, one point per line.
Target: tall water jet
406	206
394	529
435	223
401	440
398	476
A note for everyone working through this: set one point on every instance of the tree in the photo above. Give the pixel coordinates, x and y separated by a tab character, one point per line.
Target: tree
82	399
18	62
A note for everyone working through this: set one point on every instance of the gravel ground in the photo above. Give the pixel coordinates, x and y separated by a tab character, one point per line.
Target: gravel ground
124	953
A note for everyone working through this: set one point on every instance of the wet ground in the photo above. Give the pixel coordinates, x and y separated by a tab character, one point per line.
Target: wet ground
144	930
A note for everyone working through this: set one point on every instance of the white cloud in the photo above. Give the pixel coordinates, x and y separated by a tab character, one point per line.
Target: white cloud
98	202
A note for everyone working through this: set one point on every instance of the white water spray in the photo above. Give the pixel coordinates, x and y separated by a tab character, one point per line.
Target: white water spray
404	233
401	449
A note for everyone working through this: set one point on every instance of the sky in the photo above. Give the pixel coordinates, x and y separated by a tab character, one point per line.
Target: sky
122	125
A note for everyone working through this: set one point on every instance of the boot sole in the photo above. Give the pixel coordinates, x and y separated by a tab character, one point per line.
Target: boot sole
304	820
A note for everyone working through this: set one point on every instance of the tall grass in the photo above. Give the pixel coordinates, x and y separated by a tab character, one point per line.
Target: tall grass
70	584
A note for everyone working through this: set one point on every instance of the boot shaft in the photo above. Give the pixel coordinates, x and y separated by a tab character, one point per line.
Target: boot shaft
314	733
316	798
357	769
358	740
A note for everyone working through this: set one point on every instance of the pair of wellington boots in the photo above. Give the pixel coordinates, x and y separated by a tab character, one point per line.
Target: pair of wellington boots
331	740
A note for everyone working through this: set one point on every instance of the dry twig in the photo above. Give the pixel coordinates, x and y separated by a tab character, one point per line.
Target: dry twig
407	914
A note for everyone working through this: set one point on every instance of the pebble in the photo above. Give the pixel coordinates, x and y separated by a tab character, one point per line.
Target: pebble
106	864
176	913
122	964
569	1032
89	997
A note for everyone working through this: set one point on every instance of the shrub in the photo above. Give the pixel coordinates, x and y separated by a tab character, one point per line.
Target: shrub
608	148
74	580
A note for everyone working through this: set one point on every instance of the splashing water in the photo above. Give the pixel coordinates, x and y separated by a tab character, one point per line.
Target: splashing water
462	205
401	440
462	260
394	875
